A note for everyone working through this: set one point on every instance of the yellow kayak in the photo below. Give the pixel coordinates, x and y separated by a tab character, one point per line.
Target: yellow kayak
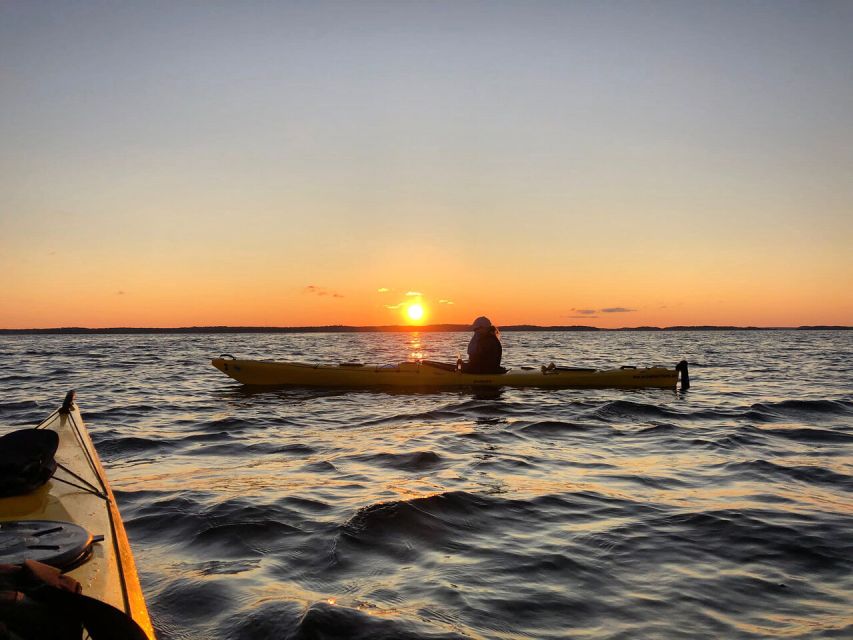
79	493
433	374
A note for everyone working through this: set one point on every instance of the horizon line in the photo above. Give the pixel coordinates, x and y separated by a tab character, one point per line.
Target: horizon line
430	328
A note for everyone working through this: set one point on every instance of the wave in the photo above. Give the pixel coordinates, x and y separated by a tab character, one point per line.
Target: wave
322	466
554	427
216	436
389	525
120	412
199	602
454	411
241	539
785	410
20	405
325	621
742	537
303	505
798	409
764	470
293	449
811	434
619	409
18	377
112	447
657	483
231	447
172	519
440	518
422	416
228	423
661	429
322	620
410	461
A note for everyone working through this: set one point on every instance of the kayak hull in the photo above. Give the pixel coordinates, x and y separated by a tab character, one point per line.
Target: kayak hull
110	573
424	375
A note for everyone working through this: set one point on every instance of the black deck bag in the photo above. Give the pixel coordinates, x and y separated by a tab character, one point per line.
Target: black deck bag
26	460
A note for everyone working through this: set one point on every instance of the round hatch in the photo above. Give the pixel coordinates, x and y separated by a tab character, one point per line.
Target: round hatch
60	544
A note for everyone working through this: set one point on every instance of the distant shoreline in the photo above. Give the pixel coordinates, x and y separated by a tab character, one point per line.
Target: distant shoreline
389	329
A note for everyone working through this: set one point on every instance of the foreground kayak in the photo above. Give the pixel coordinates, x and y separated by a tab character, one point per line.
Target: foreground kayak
433	374
79	501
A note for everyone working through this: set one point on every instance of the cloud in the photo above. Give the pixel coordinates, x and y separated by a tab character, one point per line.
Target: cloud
413	293
394	306
586	316
591	312
119	293
383	289
320	291
445	302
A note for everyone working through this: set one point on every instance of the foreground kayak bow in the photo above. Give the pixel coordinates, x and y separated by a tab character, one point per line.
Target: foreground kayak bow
67	518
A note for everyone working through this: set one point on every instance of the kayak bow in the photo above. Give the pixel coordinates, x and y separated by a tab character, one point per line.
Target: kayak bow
79	494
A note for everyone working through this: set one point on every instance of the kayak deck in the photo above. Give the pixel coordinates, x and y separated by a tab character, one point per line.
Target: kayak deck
109	574
425	374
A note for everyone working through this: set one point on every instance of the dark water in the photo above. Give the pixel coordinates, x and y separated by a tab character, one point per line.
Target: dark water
722	512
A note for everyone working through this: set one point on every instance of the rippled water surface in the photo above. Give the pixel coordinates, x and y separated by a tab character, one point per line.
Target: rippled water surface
720	512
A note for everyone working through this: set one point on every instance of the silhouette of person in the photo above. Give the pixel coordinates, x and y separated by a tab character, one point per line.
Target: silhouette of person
484	349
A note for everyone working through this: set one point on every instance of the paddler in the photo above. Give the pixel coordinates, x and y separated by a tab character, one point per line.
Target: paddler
484	349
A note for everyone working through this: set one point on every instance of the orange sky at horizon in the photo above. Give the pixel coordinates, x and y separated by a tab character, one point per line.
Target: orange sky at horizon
552	164
66	298
140	271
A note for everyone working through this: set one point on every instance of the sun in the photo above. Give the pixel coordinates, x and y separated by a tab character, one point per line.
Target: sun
415	312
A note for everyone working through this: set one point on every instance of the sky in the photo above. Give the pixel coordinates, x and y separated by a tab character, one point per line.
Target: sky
312	163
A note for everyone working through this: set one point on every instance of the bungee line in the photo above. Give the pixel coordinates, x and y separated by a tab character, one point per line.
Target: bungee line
87	486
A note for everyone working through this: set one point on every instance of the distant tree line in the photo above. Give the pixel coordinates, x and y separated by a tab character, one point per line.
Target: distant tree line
337	328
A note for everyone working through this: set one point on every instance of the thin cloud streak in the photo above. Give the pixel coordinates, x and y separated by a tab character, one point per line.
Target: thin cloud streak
321	291
592	312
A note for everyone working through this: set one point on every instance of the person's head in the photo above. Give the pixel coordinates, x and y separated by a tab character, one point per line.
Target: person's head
483	325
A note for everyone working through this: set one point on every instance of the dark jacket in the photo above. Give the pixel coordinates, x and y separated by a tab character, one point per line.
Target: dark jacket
486	357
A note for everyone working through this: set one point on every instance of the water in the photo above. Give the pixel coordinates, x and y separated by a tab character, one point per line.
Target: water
722	512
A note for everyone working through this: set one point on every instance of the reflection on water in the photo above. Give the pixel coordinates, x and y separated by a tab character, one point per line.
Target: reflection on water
724	511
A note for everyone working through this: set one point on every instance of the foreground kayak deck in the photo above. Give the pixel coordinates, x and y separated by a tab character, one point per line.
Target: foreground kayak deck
109	575
414	374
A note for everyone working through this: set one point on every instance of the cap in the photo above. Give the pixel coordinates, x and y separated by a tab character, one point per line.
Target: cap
481	323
